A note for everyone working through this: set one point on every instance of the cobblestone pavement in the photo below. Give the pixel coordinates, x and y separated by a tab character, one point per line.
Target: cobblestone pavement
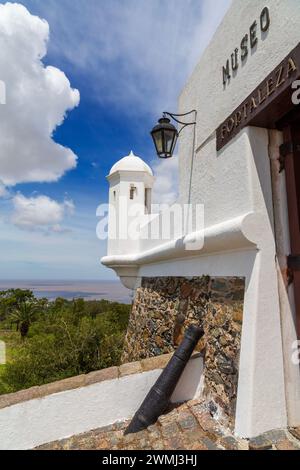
187	427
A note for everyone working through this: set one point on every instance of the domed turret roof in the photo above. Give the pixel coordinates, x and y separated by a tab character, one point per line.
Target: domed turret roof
131	163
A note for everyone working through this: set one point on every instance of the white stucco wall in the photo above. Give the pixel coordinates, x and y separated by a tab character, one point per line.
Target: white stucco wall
54	417
228	184
204	91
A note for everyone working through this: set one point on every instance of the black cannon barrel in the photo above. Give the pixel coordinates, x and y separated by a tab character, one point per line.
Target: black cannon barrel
159	396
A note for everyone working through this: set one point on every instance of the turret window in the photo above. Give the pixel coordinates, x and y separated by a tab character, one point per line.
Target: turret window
132	192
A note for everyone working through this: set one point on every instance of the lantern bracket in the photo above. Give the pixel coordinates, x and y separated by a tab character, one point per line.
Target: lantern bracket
184	124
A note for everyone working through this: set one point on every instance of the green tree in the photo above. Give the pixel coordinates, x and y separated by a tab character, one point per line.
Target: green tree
12	299
23	317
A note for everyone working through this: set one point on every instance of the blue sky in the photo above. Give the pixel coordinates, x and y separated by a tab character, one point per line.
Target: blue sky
129	59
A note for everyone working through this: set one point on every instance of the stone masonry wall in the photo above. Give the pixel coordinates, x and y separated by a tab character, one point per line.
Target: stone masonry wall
164	307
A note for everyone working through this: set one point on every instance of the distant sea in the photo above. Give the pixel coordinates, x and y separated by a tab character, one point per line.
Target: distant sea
88	290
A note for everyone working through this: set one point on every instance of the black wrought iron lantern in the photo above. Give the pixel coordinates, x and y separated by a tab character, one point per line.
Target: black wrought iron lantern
164	136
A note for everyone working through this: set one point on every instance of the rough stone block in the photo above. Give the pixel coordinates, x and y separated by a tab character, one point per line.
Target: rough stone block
229	443
275	436
19	397
260	443
158	362
174	443
128	439
210	445
170	430
207	423
295	432
102	375
286	445
238	316
130	369
154	432
192	436
62	385
158	445
197	446
114	438
102	443
168	417
187	421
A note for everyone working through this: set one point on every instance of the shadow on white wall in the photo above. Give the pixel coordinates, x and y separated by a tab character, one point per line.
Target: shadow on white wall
2	92
2	352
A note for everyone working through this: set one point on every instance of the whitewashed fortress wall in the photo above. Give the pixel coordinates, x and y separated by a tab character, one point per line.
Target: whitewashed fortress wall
235	185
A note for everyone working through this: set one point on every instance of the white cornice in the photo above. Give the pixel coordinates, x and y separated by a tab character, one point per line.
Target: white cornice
236	234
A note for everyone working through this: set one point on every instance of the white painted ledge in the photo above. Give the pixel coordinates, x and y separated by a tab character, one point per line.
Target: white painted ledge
235	234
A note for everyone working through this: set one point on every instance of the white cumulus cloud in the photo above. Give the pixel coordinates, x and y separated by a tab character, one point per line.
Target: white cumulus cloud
37	99
3	190
165	188
40	212
139	53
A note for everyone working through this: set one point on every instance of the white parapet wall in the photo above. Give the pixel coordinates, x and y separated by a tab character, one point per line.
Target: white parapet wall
115	397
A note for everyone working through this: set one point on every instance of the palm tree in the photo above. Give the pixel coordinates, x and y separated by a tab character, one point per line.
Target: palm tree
23	317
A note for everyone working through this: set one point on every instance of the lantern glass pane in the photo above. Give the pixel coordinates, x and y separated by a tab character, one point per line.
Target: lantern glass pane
169	140
158	140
